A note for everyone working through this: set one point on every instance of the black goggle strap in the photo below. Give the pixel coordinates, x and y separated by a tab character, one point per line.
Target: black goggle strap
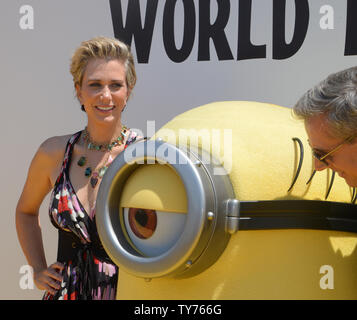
297	214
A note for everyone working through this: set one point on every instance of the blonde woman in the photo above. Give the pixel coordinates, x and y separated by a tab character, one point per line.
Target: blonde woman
72	167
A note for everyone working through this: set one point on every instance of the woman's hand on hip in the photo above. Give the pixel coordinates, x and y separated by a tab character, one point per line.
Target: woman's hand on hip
49	279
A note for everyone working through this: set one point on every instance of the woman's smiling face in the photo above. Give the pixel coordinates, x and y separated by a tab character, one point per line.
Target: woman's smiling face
104	91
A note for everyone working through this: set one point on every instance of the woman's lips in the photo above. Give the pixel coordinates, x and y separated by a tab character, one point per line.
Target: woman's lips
105	107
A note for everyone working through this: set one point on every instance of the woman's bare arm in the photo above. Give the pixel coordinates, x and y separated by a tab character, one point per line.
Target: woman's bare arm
37	186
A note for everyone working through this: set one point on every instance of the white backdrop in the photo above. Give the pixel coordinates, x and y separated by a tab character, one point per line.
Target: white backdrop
37	94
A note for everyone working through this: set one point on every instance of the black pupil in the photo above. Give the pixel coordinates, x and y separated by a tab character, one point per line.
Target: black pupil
141	217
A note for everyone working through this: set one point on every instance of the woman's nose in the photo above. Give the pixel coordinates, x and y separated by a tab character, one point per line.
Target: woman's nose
106	94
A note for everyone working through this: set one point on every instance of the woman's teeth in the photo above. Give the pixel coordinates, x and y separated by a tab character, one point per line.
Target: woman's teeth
106	108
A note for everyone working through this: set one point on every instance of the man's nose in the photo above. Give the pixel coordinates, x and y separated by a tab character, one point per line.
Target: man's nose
320	165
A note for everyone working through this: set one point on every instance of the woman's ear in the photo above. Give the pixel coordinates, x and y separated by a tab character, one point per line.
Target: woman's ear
128	95
78	92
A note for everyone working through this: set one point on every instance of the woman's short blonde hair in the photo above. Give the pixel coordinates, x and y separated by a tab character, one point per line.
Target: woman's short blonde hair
102	48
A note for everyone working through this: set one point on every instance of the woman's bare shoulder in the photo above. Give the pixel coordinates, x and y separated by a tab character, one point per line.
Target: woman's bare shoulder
52	149
54	145
42	172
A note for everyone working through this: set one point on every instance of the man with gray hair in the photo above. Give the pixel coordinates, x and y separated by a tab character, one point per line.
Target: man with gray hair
329	111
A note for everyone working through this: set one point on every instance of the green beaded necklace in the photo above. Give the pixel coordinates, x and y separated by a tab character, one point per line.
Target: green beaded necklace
96	175
103	147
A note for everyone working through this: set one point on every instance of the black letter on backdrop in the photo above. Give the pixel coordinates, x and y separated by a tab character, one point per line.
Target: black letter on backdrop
133	27
282	50
246	50
351	29
179	55
214	31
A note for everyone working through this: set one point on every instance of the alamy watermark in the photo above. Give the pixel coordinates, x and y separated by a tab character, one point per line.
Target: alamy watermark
327	280
26	21
213	146
26	279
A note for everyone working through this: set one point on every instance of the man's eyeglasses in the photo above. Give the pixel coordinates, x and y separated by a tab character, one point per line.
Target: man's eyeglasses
322	157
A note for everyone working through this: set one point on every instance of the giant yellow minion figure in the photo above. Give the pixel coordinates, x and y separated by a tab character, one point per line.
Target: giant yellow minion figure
224	203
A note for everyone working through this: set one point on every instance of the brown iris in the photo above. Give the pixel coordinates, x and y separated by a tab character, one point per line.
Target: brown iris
142	222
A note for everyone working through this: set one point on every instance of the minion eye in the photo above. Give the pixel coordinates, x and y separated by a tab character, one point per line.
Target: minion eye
142	222
153	232
162	211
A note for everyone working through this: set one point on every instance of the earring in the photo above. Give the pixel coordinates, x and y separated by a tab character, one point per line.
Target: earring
82	108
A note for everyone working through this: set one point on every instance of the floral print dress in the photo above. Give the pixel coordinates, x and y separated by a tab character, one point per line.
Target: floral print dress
88	273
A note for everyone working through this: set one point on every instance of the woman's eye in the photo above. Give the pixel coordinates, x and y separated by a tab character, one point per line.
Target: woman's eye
94	84
116	85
